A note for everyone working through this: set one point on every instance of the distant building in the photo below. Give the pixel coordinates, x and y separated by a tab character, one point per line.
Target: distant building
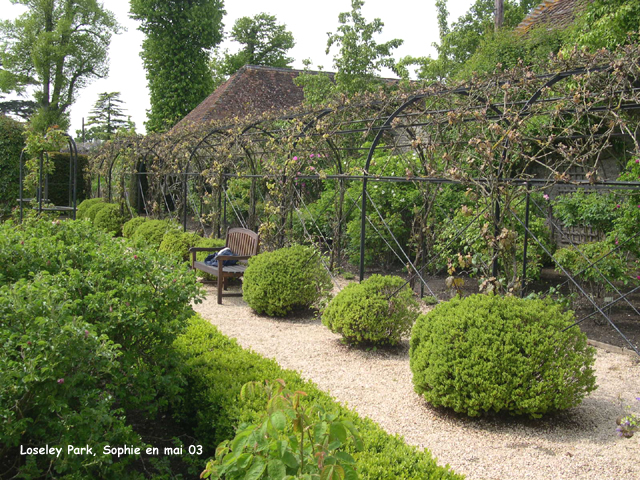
553	15
251	90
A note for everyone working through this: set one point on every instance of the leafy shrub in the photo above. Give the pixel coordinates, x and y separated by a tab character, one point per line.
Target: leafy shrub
11	144
578	260
290	439
53	361
488	353
216	368
93	210
586	209
130	226
277	282
152	232
96	321
378	311
83	207
178	243
110	219
472	250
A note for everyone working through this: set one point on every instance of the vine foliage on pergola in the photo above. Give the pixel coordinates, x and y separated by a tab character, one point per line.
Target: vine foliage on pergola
499	137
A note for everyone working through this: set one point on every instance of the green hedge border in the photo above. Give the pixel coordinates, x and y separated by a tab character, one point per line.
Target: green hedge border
216	367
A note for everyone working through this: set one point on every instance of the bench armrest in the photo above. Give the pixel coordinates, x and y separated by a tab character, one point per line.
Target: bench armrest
194	250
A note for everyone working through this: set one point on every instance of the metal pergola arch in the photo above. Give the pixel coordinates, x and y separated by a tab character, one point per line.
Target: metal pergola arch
409	116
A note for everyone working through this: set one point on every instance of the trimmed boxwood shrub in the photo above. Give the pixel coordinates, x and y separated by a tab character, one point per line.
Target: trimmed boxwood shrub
216	368
277	282
130	226
487	353
93	210
152	232
85	205
178	243
377	311
110	219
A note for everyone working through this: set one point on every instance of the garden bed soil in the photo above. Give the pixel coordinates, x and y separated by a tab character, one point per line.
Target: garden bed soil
578	444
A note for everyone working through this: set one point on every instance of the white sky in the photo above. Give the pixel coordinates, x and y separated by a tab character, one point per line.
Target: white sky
412	21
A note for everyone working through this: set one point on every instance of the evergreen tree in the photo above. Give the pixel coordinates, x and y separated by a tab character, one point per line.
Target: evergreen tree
106	118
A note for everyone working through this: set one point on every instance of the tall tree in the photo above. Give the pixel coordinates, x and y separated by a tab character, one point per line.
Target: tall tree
106	118
359	59
264	42
463	37
57	47
175	52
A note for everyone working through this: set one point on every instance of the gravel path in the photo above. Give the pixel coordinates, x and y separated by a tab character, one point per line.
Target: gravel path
579	444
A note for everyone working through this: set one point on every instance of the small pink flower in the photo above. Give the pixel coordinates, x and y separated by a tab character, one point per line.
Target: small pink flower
295	159
312	168
637	160
545	196
22	242
110	308
135	257
311	156
86	333
29	343
616	242
618	206
61	381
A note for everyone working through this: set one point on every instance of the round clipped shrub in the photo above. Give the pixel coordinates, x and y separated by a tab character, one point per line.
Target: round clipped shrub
130	226
152	232
83	207
110	219
487	353
93	210
277	282
178	243
378	311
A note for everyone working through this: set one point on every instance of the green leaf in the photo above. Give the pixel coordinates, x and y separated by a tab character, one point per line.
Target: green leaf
276	470
337	431
257	469
278	420
332	472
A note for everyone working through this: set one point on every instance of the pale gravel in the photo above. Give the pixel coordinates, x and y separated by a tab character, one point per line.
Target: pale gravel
578	444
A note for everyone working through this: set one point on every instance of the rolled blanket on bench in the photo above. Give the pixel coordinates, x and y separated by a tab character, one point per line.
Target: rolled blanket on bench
212	261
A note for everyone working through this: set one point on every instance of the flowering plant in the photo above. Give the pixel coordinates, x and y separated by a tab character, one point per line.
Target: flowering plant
628	425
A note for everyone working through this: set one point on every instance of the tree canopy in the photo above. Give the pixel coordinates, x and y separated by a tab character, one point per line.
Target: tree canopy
263	40
175	52
106	118
358	62
56	47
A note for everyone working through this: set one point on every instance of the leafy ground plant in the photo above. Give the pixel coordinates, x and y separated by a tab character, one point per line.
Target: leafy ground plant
293	441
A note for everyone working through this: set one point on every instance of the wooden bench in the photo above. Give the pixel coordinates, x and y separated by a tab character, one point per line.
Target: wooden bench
244	243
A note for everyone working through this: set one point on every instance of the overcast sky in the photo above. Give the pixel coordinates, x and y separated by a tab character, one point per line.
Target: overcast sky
410	20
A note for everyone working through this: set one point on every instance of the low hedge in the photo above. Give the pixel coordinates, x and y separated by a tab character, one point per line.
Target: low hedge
130	226
487	353
216	368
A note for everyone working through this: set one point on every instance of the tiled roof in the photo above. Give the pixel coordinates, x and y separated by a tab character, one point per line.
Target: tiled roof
553	14
252	89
